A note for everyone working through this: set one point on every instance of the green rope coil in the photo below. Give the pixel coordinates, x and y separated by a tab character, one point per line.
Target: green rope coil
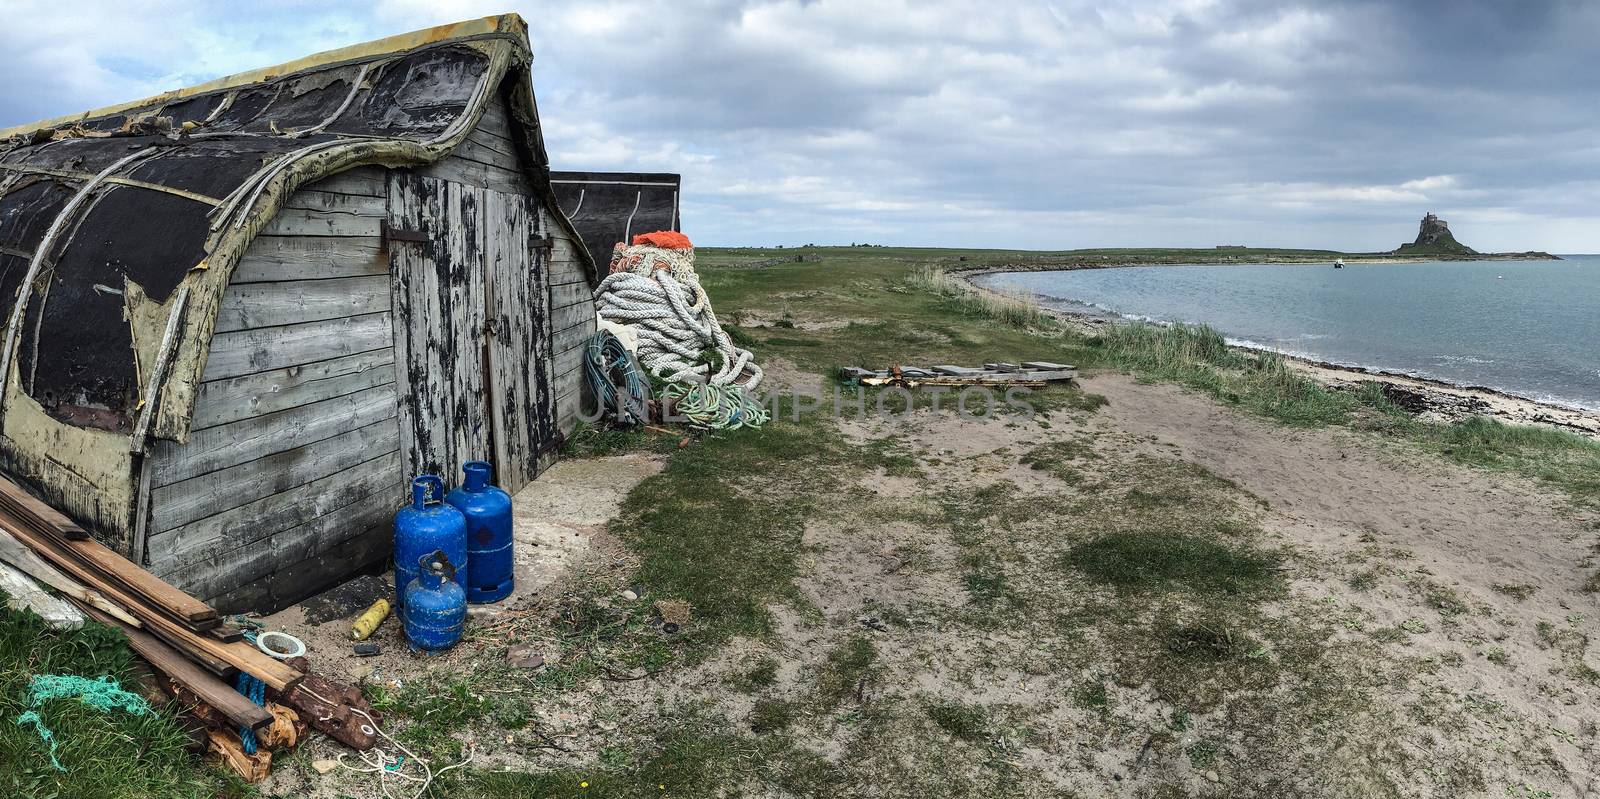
101	693
715	407
618	383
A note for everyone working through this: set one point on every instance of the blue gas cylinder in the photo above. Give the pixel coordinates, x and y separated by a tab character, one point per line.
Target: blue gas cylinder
428	524
436	607
488	512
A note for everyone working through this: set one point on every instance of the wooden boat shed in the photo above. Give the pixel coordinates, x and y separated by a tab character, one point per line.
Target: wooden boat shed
609	207
240	316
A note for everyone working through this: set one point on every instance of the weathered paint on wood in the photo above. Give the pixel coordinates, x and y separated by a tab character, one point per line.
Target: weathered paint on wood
211	576
294	301
303	222
438	324
521	405
371	181
572	322
247	439
472	173
232	399
275	258
333	562
247	524
249	351
199	497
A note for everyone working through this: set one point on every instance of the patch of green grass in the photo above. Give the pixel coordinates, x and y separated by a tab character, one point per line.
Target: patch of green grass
764	674
1515	591
771	715
720	527
107	755
987	585
684	763
1014	310
1062	459
1203	753
846	671
1199	357
593	441
1161	560
1208	642
1565	461
1092	696
1445	600
967	722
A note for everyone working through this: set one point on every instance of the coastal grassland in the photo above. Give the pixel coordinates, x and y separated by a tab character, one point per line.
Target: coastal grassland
878	306
1263	383
106	755
1022	606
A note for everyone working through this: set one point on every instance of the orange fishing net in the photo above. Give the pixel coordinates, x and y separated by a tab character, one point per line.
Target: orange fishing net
665	239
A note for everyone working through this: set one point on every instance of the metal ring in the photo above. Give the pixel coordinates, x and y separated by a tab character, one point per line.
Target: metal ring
293	647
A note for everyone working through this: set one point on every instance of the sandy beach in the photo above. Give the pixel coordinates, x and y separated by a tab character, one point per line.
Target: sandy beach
1434	400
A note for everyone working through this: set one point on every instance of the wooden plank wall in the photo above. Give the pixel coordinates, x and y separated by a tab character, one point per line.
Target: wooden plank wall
488	159
292	471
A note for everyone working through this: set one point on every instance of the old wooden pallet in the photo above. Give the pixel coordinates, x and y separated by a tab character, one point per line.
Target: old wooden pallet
1026	373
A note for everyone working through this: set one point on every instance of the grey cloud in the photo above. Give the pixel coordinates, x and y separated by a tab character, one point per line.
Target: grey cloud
1040	124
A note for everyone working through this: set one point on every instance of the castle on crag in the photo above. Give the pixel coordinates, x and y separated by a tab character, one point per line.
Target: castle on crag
1434	238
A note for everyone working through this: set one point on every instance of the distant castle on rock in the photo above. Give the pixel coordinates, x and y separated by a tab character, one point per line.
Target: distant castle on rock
1434	238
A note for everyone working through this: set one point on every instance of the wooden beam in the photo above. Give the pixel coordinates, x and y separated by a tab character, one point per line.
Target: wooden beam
13	552
184	673
92	554
158	371
36	511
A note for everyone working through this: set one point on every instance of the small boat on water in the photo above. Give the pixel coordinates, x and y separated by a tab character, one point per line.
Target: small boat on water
1338	263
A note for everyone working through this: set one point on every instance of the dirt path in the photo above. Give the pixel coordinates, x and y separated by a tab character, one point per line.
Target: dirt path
1416	533
1469	525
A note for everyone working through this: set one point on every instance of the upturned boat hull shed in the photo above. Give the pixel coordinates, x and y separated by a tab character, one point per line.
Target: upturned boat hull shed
607	208
240	316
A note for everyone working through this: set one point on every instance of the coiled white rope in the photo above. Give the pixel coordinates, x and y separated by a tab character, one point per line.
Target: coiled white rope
660	296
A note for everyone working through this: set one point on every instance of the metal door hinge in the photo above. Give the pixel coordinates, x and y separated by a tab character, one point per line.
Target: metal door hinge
391	233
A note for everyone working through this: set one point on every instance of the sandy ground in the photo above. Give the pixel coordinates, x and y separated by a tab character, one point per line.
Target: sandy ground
558	530
1470	531
1417	525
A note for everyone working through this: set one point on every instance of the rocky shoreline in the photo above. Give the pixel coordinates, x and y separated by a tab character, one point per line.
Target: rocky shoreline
1433	400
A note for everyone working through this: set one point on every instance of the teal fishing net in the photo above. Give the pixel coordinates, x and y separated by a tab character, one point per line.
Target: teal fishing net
101	693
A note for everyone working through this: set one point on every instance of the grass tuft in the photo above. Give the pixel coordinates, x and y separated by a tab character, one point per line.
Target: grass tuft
107	755
967	722
1014	309
1160	560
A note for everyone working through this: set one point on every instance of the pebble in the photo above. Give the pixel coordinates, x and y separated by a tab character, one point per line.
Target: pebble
1212	775
324	766
629	596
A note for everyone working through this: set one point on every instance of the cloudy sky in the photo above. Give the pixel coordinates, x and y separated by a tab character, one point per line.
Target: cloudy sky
985	124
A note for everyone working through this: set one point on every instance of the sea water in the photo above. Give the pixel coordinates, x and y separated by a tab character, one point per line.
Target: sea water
1529	328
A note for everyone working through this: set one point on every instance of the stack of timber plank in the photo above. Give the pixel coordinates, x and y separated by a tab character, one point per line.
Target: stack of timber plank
185	641
1026	373
165	625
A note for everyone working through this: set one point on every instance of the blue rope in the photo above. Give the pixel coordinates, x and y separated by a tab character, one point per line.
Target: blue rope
256	691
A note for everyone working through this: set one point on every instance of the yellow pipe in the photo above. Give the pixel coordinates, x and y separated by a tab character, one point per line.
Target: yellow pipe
369	621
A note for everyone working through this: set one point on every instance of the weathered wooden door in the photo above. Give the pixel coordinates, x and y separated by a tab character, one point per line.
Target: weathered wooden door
471	328
521	405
